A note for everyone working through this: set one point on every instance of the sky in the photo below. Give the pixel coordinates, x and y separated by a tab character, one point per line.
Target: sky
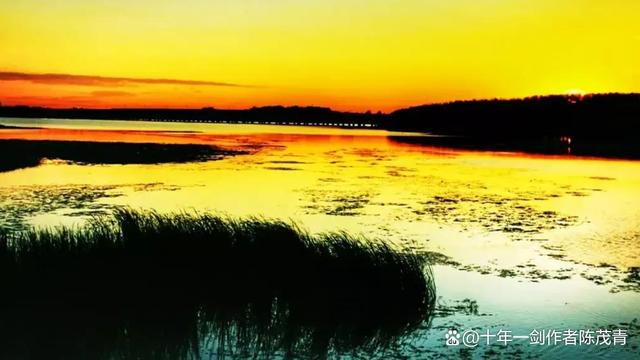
353	55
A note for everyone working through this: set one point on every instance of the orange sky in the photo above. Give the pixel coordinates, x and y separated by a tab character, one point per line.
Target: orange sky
345	54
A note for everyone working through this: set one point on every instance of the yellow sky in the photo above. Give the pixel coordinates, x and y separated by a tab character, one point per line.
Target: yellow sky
346	54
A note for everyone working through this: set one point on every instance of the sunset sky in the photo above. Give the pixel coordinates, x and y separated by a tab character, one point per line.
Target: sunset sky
345	54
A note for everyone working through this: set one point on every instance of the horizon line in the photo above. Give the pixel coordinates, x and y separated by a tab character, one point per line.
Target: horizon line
210	107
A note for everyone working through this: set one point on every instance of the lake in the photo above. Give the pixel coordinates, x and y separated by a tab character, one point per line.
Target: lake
517	242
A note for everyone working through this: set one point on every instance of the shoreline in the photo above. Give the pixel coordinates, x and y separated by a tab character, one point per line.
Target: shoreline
614	148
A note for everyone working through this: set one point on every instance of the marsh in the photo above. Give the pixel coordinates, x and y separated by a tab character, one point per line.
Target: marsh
227	286
516	241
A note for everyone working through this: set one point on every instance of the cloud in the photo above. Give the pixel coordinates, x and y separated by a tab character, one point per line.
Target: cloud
54	101
111	93
94	80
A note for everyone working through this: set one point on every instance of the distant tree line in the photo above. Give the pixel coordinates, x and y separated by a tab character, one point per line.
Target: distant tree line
269	114
601	115
598	115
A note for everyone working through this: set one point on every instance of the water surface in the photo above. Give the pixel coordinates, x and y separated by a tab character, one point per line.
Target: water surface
518	241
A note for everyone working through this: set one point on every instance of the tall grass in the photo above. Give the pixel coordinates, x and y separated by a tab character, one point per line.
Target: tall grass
172	285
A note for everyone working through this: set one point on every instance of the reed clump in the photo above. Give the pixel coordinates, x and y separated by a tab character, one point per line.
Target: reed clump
248	286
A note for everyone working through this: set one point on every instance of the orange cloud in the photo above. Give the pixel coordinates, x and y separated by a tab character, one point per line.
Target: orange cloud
94	80
100	93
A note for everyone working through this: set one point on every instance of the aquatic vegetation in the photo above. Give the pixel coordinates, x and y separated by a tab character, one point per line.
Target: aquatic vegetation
29	153
150	285
345	202
19	203
495	212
